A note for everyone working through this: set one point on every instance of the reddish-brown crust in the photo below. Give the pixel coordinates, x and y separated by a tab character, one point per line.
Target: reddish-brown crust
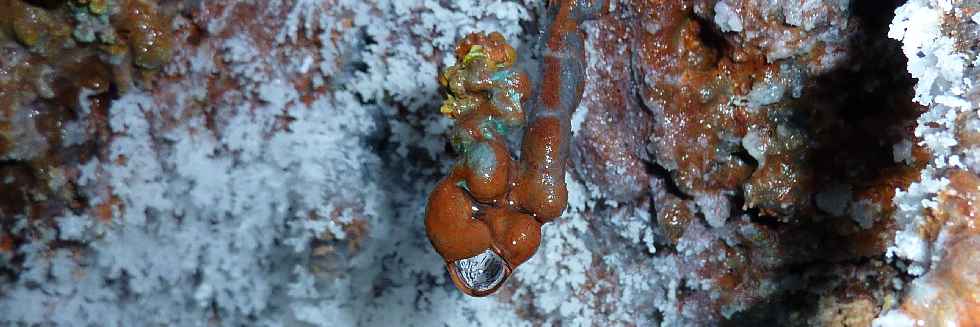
953	286
516	235
561	26
489	185
550	81
509	205
6	244
541	189
450	224
494	46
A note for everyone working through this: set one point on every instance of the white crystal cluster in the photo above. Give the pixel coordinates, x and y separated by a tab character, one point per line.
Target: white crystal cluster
945	80
277	176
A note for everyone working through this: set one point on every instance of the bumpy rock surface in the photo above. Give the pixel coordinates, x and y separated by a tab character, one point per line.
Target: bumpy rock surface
732	162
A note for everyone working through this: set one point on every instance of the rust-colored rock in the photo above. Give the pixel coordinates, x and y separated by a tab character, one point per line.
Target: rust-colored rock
451	225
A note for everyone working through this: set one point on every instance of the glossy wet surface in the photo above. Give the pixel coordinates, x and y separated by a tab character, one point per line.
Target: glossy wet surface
481	273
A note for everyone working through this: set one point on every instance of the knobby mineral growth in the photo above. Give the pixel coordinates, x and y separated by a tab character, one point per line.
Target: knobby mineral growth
61	63
732	162
485	218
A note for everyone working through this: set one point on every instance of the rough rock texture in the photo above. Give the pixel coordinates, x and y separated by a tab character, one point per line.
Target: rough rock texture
937	216
272	174
743	162
770	156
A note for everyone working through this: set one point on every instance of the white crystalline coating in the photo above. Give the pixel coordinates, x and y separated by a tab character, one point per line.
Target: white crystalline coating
30	143
727	18
715	207
213	221
73	133
578	117
482	272
894	318
765	93
933	60
212	227
939	70
972	160
593	56
635	226
909	245
72	227
902	152
578	196
756	146
694	241
803	15
276	94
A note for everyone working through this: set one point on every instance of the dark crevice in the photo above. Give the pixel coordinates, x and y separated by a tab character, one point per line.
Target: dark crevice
46	4
851	117
711	36
744	156
755	215
659	172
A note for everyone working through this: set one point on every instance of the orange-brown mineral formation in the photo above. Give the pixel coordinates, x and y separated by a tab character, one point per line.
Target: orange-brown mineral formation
485	218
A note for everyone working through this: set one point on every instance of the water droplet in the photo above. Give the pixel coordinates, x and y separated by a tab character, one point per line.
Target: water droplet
481	274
